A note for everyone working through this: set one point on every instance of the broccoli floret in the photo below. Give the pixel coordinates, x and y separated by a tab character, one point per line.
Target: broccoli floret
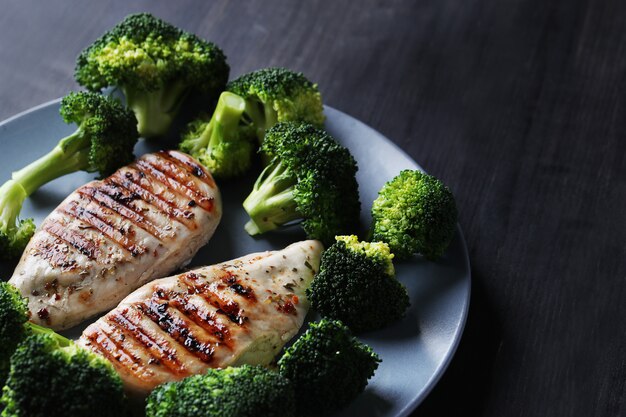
14	325
49	375
52	377
103	141
13	316
253	103
246	391
328	368
275	95
414	213
223	144
155	65
14	233
310	178
357	285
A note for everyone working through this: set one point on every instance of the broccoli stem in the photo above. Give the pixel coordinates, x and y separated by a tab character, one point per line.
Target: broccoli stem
271	202
37	329
70	155
12	196
225	120
155	110
263	117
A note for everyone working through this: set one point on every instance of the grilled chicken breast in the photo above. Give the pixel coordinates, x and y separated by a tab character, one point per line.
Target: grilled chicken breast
110	237
238	312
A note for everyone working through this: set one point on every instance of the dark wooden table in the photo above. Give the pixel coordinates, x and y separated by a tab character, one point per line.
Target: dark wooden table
519	105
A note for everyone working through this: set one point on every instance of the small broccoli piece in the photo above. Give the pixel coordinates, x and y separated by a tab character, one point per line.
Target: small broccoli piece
51	376
222	144
310	178
14	325
414	213
155	65
13	316
14	233
275	95
253	103
246	391
357	285
328	368
103	141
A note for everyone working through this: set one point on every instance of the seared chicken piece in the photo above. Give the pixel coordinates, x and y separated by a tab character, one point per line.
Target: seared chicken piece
238	312
110	237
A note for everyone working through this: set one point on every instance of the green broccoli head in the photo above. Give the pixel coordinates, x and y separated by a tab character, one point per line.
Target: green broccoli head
311	178
414	213
223	144
156	65
328	368
278	95
357	285
107	131
103	142
13	315
49	378
246	391
14	233
253	103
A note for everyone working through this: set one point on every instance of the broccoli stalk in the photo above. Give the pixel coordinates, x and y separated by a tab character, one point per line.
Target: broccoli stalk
310	179
155	110
252	104
221	144
103	141
271	202
156	65
328	368
357	285
14	233
70	155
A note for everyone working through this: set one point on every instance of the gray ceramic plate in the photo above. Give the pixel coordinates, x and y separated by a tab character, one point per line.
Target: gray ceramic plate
415	351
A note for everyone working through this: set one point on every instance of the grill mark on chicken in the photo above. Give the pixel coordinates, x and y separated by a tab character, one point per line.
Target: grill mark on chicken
125	197
177	329
158	175
207	320
231	280
117	350
183	171
228	308
175	172
174	330
106	345
194	168
135	329
112	207
73	239
79	212
130	182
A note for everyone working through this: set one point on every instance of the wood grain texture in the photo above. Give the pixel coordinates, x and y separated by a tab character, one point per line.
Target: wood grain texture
518	105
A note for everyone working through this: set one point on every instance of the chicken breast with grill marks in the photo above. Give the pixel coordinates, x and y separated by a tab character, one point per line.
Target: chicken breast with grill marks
110	237
238	312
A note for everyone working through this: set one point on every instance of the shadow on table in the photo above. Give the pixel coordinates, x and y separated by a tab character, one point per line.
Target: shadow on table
465	384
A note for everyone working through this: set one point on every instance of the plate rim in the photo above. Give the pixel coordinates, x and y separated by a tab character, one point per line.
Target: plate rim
443	366
447	359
